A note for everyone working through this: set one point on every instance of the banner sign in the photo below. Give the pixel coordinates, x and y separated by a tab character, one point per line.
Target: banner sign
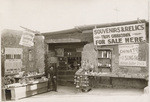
126	34
129	55
27	39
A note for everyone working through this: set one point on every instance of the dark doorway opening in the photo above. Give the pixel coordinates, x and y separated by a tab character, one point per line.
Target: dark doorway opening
67	57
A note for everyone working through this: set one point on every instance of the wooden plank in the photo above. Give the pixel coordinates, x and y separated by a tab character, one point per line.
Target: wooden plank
37	91
64	40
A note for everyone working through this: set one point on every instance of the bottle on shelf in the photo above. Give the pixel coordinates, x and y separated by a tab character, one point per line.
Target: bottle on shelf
99	64
109	54
104	54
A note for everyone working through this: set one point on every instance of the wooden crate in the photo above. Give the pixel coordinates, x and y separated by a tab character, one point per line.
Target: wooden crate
28	90
18	92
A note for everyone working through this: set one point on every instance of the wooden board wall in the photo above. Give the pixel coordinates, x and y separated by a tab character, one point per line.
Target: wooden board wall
89	53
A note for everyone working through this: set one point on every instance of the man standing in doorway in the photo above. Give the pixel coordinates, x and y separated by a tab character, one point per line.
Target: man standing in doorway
52	79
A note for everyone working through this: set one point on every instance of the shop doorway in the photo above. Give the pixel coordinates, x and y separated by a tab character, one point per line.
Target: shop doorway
67	67
67	57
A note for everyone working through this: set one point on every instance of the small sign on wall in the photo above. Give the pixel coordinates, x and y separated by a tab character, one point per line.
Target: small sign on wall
129	56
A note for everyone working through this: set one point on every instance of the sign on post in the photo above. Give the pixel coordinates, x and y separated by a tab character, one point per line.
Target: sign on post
27	39
126	34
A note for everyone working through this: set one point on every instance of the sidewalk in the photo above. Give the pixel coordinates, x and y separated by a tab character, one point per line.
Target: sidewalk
70	94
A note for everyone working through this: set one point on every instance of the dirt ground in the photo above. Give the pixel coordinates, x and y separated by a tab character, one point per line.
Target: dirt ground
70	94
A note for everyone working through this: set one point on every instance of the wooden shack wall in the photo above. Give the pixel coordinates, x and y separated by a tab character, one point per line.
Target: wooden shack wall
11	39
90	54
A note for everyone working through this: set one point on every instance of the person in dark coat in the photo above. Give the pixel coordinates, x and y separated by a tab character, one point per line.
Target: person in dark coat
52	78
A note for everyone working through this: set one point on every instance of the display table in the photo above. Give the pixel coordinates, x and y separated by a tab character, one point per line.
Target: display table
114	75
106	79
28	90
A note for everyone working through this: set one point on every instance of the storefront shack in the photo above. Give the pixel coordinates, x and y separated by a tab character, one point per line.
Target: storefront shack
106	55
117	57
22	64
64	52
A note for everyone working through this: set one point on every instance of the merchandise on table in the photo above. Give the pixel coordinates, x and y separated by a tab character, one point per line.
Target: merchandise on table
9	80
24	79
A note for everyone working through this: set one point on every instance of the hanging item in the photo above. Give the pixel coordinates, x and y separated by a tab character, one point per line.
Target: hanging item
27	39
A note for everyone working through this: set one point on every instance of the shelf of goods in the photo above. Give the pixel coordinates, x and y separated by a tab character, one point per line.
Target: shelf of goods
19	91
89	80
65	76
104	60
82	83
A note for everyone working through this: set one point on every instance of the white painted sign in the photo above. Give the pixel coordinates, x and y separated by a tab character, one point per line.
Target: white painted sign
27	39
129	55
126	34
13	60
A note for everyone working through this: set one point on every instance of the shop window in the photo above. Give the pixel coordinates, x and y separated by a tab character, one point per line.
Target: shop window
104	60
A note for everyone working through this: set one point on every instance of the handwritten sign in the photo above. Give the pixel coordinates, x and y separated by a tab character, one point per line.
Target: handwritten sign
129	55
126	34
27	39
